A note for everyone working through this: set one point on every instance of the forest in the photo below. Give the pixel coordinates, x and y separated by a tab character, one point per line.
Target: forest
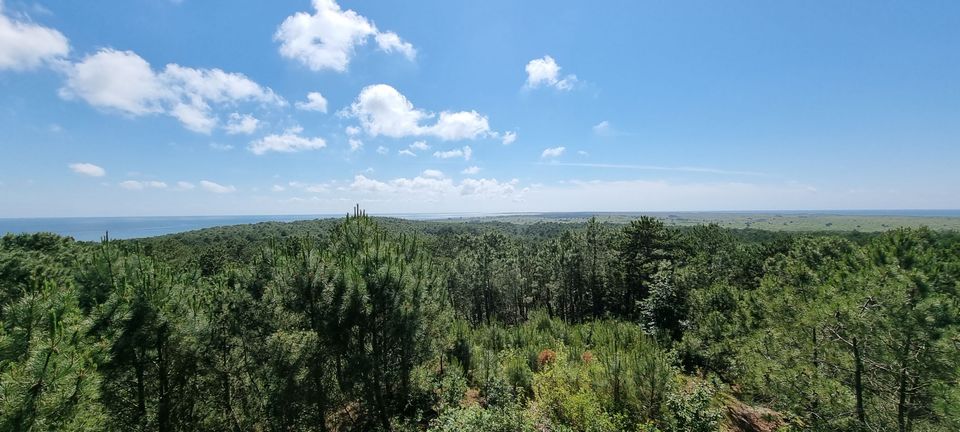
379	324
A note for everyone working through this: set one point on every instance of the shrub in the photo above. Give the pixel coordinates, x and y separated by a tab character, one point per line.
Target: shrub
510	418
546	357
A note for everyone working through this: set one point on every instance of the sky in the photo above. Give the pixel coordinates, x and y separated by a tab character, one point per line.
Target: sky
190	107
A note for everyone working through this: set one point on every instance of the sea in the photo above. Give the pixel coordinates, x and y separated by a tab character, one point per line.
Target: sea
94	228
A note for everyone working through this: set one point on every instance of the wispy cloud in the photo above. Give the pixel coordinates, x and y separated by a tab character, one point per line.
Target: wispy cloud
553	152
210	186
87	169
141	185
654	168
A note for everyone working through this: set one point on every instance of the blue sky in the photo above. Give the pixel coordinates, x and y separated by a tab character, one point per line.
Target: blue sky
159	107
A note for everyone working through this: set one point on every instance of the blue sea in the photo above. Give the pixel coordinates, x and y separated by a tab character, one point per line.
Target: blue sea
94	228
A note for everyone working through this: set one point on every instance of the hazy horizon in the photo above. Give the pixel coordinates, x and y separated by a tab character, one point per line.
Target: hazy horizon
949	212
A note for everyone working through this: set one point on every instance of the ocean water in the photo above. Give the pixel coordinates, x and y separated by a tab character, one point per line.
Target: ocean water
93	228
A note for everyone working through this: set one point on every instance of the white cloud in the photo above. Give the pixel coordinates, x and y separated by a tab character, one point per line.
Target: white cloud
140	185
406	152
432	173
87	169
195	116
546	72
221	147
553	152
327	39
382	150
352	130
466	152
355	144
241	124
419	145
288	142
25	45
382	110
603	128
117	80
278	188
487	187
471	170
432	185
210	186
217	86
124	82
183	185
390	42
315	102
508	138
459	125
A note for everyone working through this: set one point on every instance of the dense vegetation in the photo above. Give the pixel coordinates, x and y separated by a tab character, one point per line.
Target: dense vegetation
363	324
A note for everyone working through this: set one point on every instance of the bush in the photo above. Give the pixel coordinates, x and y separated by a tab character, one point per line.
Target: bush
565	396
693	410
510	418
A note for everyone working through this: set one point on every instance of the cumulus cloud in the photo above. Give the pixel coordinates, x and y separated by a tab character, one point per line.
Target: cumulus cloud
471	170
25	45
434	185
420	145
315	102
124	82
406	152
355	144
241	124
382	150
459	125
466	152
382	110
508	138
210	186
546	72
117	80
183	185
390	42
553	152
140	185
327	38
432	173
87	169
288	142
603	128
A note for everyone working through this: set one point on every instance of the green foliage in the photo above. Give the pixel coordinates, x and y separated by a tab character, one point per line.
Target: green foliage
511	418
363	324
694	410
